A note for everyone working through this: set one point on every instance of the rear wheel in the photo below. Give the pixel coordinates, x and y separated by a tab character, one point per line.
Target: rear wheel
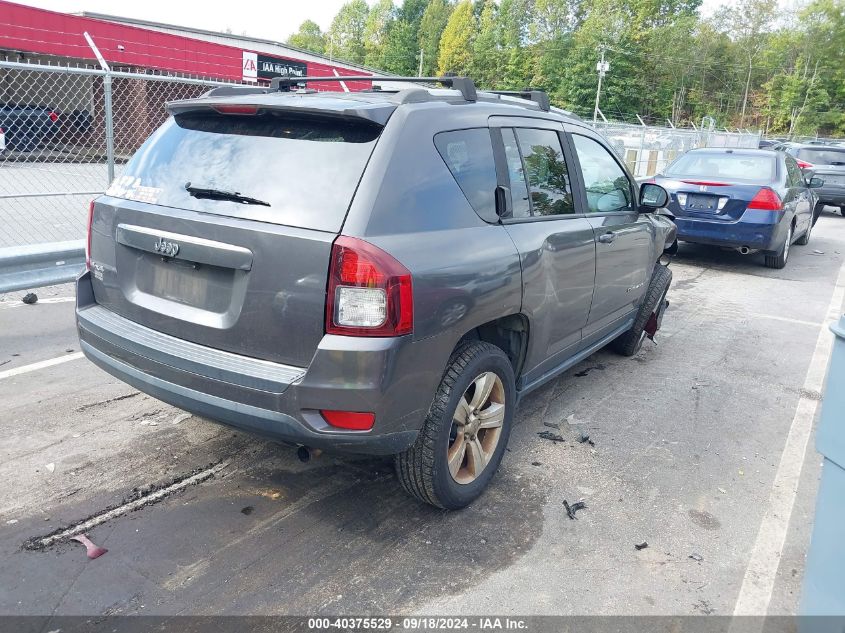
465	432
631	341
805	239
779	260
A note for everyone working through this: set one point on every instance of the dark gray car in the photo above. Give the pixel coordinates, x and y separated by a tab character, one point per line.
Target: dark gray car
375	272
826	162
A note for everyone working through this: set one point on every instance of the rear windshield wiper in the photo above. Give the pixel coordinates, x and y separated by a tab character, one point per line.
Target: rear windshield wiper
219	194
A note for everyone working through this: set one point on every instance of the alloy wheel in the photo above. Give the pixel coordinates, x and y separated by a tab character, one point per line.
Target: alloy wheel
476	428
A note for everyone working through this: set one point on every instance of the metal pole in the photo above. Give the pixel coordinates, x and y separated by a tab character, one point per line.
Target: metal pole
598	89
109	127
421	62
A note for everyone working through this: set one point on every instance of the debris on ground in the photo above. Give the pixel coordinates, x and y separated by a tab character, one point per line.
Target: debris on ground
639	546
572	509
818	252
247	510
722	490
585	438
30	298
11	521
586	371
536	463
50	467
181	418
552	425
554	437
696	557
93	551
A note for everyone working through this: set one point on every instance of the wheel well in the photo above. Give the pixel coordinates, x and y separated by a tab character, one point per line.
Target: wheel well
509	333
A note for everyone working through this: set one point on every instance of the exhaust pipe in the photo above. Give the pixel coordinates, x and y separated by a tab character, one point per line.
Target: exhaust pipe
306	453
744	250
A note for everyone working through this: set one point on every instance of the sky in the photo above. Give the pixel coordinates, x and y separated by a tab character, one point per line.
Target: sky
274	20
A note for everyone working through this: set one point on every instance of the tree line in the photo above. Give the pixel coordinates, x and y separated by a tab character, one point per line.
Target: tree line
751	64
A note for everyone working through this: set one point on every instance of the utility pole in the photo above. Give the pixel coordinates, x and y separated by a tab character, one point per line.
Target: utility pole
419	74
601	67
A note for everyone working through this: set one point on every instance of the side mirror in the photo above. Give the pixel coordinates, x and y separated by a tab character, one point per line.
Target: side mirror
815	182
652	197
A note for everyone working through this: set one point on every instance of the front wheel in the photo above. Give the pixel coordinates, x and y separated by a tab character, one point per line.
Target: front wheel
651	307
465	433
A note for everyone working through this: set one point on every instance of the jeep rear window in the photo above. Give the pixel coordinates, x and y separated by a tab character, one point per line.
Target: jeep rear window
469	156
305	169
712	166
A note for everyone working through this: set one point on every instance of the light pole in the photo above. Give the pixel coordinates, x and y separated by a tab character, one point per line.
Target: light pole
601	67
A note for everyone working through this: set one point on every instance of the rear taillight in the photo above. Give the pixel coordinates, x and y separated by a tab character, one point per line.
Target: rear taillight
350	420
803	164
369	292
88	242
766	200
53	117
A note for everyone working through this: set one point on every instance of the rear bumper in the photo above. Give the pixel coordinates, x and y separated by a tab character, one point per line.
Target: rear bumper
759	230
833	195
385	376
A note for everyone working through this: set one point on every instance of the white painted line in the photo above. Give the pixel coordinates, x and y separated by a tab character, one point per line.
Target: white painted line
120	510
786	319
25	369
21	304
758	583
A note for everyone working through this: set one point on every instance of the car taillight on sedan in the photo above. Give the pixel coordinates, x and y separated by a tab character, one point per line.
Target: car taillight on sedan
766	200
88	241
369	292
803	164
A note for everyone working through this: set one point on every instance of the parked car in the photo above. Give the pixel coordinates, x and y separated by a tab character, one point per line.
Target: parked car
26	127
827	162
749	200
375	272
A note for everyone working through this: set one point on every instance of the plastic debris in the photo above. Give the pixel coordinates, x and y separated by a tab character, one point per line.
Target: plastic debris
50	467
554	437
585	438
247	510
30	298
552	425
572	509
11	521
639	546
696	557
722	490
93	551
536	463
181	418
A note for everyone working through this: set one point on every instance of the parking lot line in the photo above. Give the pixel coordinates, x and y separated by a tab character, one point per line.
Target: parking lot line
758	583
18	304
25	369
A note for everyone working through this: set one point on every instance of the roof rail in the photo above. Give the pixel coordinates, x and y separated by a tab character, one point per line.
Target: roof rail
464	85
537	96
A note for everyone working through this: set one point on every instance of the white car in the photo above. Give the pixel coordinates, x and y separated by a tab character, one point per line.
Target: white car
2	140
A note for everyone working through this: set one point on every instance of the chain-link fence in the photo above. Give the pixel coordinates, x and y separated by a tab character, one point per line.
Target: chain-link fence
66	132
647	149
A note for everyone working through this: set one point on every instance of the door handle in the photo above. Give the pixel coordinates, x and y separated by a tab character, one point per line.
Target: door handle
607	238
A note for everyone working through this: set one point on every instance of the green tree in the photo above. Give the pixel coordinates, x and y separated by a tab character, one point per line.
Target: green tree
432	24
400	51
486	52
309	37
456	44
376	29
346	35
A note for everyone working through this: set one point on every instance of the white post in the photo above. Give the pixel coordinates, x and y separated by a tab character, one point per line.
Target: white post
602	67
419	74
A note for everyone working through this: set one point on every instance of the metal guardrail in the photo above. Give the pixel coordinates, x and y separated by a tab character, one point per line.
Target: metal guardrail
37	265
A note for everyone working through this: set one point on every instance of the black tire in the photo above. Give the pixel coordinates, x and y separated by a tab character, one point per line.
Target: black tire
779	261
805	239
842	210
423	469
817	211
631	341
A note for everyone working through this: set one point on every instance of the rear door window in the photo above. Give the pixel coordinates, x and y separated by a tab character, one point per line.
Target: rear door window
822	156
469	156
298	171
547	172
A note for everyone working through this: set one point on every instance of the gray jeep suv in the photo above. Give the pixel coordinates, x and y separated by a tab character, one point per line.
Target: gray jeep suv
382	272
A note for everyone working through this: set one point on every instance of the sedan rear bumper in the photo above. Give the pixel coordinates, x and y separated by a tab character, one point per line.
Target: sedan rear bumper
758	230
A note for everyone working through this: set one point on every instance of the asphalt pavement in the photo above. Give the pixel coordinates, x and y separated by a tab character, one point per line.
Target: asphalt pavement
688	439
